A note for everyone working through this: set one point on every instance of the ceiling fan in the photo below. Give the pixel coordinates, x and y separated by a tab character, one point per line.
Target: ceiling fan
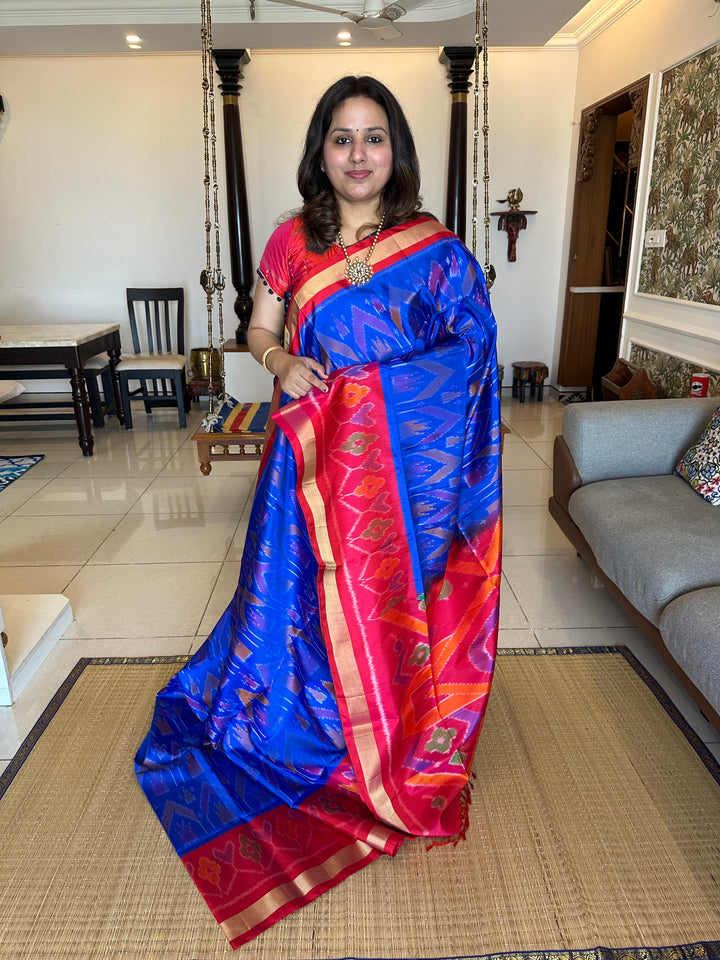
376	17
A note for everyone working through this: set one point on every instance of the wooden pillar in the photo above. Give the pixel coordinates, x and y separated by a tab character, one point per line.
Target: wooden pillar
229	67
459	62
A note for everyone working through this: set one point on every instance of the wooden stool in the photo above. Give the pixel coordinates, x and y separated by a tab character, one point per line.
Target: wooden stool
528	371
244	440
200	387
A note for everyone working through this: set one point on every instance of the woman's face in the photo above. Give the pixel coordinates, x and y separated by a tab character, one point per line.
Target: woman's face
357	152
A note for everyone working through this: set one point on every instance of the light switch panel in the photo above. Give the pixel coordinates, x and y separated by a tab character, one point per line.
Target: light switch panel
655	238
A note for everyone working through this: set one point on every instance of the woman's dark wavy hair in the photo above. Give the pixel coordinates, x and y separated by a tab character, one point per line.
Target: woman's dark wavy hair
400	197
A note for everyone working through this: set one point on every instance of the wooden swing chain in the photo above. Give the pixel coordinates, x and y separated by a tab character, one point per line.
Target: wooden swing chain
211	279
481	40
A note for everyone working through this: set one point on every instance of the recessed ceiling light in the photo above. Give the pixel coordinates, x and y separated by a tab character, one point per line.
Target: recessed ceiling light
344	35
133	38
135	46
345	43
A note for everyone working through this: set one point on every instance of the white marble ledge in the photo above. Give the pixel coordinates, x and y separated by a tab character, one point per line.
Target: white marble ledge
34	623
52	334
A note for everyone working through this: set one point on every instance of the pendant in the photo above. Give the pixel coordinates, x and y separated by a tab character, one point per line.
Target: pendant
358	272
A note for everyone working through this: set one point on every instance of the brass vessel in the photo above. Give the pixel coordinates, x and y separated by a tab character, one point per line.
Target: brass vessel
200	363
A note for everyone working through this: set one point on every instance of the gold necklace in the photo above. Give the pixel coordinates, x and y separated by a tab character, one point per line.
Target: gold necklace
359	272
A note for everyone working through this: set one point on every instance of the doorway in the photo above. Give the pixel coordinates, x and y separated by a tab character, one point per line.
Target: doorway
606	182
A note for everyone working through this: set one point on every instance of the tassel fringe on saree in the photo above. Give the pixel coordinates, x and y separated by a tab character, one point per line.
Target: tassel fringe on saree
335	708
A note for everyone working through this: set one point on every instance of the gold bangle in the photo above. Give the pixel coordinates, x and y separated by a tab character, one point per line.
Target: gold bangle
275	346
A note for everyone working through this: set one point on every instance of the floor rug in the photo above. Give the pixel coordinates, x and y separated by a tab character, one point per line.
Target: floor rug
595	835
13	467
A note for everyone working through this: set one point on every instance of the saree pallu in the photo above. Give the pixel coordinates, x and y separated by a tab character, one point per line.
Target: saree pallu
335	708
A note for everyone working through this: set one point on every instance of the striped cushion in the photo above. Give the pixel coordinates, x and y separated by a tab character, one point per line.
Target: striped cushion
234	417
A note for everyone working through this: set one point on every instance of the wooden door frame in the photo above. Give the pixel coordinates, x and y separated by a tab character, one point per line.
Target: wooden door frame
598	125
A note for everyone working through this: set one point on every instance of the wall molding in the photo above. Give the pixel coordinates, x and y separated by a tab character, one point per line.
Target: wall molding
689	330
595	24
695	345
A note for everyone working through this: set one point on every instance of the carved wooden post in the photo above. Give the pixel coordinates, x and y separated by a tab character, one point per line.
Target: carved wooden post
638	98
459	62
229	67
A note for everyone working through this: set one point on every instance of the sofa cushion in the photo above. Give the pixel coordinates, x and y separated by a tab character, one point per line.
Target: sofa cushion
689	628
633	438
700	465
653	536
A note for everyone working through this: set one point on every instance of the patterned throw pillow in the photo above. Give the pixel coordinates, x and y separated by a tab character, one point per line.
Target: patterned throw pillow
701	464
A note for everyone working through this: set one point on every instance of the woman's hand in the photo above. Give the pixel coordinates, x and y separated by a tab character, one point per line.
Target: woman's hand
297	375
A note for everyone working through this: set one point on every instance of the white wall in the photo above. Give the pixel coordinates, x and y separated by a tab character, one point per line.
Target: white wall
651	37
101	173
97	159
531	101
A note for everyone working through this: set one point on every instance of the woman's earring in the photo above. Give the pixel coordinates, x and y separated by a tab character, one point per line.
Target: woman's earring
322	166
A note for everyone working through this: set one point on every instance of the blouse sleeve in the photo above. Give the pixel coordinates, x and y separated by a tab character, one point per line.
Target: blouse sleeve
274	269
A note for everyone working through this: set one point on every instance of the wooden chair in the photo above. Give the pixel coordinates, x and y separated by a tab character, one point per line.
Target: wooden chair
157	324
96	369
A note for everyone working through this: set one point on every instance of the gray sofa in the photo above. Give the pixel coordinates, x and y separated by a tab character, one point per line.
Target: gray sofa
648	536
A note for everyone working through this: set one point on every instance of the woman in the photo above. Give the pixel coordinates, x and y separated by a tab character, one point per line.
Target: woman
335	708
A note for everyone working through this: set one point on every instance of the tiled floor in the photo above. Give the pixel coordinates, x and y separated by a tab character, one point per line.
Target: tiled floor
148	550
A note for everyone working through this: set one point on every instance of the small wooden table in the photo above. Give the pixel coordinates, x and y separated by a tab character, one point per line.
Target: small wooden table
71	344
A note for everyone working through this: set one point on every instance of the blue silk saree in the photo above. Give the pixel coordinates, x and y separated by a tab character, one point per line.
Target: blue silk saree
335	708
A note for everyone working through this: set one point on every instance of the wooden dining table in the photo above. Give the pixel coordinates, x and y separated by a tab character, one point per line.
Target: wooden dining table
71	344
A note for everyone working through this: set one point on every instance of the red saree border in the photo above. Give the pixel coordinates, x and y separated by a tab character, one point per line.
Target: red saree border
288	897
343	650
411	741
259	872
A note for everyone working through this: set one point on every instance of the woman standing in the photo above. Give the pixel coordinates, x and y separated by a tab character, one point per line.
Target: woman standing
334	710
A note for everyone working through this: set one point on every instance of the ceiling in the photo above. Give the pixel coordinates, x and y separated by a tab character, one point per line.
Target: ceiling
37	27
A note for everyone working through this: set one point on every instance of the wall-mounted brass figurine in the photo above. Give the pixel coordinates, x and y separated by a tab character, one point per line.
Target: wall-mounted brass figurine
513	221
